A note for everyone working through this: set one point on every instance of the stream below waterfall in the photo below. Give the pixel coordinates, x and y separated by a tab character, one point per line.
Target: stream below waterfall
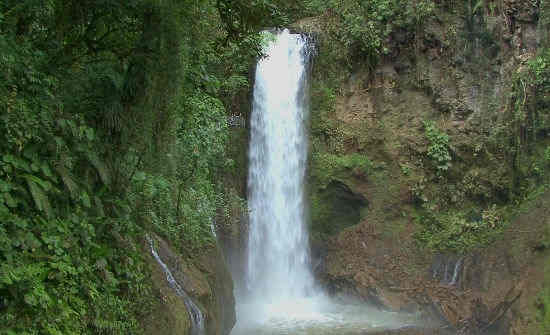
281	295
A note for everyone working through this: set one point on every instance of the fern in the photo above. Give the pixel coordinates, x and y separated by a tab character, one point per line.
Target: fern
38	189
67	179
100	167
98	205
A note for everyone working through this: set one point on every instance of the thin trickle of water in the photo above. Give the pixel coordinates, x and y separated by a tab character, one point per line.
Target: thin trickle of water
447	269
213	228
195	314
278	251
456	272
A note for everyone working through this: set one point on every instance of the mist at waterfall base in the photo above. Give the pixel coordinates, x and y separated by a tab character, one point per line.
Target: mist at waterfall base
280	294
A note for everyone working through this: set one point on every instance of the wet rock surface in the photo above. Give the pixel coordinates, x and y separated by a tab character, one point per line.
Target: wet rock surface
205	279
493	293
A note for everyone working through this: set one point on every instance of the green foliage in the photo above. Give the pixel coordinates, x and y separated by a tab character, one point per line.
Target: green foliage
529	117
183	217
323	104
544	243
66	276
242	17
327	167
544	22
202	135
478	41
232	213
438	148
112	122
320	211
405	169
546	156
540	71
364	26
457	231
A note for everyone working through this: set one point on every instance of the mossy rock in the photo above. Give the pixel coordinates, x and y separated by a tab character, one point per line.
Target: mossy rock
336	207
204	277
168	315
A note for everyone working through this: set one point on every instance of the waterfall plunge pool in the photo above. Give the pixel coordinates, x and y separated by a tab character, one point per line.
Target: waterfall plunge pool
318	316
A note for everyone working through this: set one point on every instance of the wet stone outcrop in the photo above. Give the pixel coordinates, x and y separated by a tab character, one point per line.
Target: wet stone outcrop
491	291
205	279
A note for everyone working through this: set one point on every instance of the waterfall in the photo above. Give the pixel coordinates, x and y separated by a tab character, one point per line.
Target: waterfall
281	297
195	314
456	272
278	266
447	269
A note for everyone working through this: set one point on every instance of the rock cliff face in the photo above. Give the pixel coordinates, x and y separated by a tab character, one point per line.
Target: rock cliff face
495	288
422	188
206	280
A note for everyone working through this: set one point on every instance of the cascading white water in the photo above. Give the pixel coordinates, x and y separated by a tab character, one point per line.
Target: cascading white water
278	251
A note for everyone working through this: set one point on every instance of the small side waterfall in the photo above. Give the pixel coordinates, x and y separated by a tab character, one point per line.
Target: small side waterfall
456	272
195	314
278	250
447	269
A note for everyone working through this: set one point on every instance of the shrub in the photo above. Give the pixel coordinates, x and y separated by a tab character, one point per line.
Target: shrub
458	232
438	149
327	167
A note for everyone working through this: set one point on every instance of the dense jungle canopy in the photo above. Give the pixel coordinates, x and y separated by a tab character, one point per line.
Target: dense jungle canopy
112	122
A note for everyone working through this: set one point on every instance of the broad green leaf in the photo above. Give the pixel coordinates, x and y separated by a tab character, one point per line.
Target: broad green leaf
85	199
9	200
44	184
4	186
90	134
46	170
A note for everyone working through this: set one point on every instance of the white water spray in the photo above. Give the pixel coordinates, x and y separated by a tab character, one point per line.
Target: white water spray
278	250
